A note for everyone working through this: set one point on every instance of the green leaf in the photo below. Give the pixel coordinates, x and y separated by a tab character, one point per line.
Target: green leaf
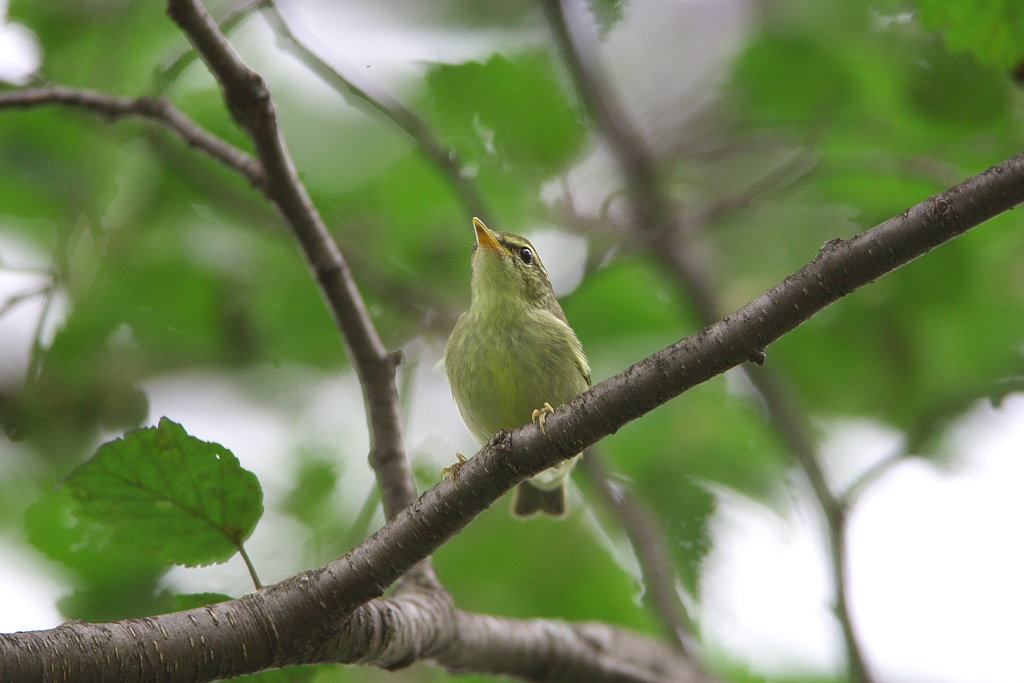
991	30
296	674
103	590
766	71
315	482
511	111
163	491
981	97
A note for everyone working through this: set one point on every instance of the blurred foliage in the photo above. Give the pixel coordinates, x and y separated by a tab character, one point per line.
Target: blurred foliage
991	30
168	264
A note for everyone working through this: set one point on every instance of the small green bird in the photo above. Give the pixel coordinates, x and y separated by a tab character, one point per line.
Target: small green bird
512	355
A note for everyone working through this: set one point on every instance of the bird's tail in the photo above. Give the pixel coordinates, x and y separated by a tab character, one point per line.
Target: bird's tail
529	500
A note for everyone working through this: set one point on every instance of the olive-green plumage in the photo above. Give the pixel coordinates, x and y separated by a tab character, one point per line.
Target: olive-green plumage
511	353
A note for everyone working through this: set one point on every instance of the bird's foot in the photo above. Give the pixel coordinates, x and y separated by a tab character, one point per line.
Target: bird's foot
452	470
540	416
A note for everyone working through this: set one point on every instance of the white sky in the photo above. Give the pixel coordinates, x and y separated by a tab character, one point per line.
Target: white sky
19	50
936	559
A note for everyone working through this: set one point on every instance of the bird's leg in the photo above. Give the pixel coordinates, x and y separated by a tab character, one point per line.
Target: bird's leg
452	470
540	416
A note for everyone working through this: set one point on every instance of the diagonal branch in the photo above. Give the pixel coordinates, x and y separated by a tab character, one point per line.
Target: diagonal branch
654	221
287	623
173	68
158	110
249	102
643	531
389	634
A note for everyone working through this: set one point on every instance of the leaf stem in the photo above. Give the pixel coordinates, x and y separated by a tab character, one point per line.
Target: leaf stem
249	565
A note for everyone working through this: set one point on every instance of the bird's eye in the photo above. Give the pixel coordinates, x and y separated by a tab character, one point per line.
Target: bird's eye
526	255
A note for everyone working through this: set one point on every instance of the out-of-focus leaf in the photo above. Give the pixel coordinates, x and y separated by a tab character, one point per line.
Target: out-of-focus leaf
316	481
110	581
627	299
981	95
931	334
793	80
607	13
673	454
86	56
301	674
530	580
507	111
185	500
991	30
936	332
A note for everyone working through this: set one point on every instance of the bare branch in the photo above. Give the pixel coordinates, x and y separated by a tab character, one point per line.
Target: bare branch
572	652
654	221
167	74
791	422
249	102
645	536
158	110
389	634
640	169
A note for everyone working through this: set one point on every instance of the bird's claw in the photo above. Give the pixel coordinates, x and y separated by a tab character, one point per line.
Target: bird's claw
540	416
452	471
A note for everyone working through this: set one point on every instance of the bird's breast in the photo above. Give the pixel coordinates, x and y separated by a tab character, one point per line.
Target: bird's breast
501	370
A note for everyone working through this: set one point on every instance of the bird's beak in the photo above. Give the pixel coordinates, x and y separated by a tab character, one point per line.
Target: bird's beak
486	238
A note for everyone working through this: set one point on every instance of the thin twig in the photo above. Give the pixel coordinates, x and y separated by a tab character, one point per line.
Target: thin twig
653	218
166	75
371	97
791	422
16	299
783	174
852	492
648	543
157	110
249	102
35	358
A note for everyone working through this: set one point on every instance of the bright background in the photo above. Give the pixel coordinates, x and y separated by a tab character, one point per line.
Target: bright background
159	284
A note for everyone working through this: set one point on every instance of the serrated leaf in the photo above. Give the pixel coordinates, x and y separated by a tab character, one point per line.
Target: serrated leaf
166	492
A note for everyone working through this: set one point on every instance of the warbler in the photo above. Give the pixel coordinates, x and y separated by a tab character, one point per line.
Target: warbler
512	356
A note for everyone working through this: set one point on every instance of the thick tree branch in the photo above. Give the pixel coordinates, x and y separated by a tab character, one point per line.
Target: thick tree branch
249	102
288	623
556	651
158	110
389	634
